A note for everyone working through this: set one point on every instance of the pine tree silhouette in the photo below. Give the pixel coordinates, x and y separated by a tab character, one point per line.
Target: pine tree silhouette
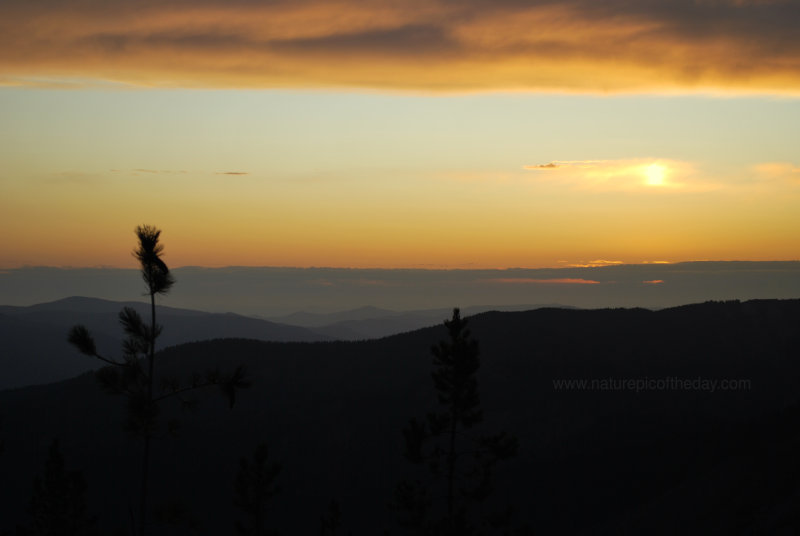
255	486
462	461
332	520
136	380
58	504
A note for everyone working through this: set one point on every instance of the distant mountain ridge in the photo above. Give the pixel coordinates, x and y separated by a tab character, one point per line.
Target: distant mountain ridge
35	337
84	304
373	322
36	351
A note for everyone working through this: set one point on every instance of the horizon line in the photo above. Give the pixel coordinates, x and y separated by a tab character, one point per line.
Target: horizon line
580	264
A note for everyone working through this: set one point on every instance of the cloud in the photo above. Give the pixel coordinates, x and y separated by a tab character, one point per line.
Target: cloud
368	282
551	165
556	281
75	178
653	282
178	172
388	42
633	175
594	264
778	172
58	82
662	46
157	171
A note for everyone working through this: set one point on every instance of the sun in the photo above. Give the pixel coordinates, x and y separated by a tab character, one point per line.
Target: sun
655	175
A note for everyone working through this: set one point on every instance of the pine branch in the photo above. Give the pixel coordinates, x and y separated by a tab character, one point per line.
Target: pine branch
80	338
228	385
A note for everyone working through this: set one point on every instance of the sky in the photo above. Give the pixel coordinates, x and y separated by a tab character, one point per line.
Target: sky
435	134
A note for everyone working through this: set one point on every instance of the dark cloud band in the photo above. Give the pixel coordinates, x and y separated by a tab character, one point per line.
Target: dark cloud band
573	45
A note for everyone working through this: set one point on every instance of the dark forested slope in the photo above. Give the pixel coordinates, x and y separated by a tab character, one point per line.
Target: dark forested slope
592	458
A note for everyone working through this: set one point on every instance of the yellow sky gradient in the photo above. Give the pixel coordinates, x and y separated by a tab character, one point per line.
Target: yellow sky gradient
529	223
430	134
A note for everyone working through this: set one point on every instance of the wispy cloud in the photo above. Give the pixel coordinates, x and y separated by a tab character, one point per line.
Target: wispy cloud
152	171
642	174
551	165
653	282
75	178
556	281
53	82
591	264
430	45
158	171
778	172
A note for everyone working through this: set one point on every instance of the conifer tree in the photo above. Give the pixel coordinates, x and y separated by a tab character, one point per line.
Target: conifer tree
332	520
255	486
58	503
459	461
134	376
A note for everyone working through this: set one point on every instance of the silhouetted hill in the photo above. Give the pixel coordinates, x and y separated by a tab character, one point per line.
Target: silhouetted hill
83	304
36	351
373	323
594	458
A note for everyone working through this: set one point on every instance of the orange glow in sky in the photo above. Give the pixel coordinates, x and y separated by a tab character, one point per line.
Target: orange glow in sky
421	134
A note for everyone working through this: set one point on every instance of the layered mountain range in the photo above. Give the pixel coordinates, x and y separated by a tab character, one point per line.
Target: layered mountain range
628	420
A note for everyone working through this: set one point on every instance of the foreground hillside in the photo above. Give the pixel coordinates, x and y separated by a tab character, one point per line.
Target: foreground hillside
593	458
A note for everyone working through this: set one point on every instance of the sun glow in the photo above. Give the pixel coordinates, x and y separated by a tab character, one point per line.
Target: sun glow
655	175
623	175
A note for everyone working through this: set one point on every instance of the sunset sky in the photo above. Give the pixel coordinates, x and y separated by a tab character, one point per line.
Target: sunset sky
431	134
